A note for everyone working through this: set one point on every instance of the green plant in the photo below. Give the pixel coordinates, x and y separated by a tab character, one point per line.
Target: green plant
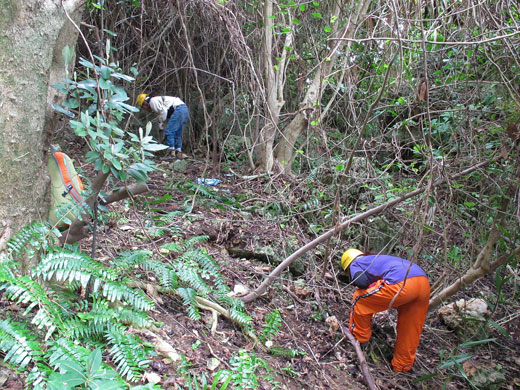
60	321
191	273
90	375
244	370
273	320
96	104
68	326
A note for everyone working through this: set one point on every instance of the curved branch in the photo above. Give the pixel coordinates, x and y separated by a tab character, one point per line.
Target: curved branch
376	210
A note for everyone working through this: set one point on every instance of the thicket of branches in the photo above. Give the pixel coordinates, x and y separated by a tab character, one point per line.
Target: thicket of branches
421	90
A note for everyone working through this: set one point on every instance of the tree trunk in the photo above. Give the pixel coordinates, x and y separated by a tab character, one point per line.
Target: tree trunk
32	35
285	148
274	82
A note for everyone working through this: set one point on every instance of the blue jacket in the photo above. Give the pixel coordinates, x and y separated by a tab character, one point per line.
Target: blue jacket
365	270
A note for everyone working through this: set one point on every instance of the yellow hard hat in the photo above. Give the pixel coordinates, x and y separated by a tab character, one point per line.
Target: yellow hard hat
348	257
140	99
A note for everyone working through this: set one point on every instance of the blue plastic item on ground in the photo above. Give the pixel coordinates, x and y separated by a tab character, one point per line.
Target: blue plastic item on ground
208	182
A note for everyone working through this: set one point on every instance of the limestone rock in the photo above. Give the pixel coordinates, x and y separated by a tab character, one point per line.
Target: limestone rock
464	315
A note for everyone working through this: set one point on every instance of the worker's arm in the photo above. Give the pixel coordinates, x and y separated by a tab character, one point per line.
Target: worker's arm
360	280
158	105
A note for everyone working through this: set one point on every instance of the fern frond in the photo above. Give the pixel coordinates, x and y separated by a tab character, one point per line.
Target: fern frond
7	268
171	216
165	274
192	241
188	299
31	238
65	349
19	344
134	318
204	261
37	378
80	329
73	266
189	276
127	353
24	290
171	247
131	259
240	317
116	291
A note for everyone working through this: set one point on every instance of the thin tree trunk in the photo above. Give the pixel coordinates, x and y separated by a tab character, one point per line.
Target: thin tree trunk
285	149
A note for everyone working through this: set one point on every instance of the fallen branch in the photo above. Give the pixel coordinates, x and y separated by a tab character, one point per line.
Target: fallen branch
79	229
376	210
124	192
371	384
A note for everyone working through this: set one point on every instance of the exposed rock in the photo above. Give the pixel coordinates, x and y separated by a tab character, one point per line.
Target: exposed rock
484	376
180	165
464	316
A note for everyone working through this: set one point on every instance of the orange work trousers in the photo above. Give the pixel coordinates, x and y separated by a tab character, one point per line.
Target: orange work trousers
412	306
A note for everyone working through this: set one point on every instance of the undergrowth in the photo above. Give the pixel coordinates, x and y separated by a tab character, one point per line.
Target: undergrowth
71	306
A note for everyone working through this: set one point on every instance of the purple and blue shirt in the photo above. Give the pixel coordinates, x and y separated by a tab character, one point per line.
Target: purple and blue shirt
365	270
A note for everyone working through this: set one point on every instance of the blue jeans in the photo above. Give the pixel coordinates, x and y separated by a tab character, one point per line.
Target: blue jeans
174	127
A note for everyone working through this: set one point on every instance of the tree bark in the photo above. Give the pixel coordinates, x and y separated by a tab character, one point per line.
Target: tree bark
32	33
274	87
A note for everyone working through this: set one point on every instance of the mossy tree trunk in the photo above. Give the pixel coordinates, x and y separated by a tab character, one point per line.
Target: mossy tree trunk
32	35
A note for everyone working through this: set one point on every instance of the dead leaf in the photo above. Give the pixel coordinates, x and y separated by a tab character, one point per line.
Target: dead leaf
333	323
263	268
151	377
512	131
301	291
422	89
504	153
469	368
212	364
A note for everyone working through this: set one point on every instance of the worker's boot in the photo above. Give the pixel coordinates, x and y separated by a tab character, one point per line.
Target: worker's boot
181	156
170	155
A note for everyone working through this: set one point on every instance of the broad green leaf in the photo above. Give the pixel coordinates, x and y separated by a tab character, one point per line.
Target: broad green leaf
93	362
62	110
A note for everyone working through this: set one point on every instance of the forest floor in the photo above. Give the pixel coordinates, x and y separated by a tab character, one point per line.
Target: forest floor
325	360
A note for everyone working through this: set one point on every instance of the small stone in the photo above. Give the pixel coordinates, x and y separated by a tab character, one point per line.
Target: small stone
212	364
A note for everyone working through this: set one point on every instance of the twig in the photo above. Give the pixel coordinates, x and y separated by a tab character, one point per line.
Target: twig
361	356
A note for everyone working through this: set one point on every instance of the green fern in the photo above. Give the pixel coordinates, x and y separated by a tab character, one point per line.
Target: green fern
192	241
131	259
192	278
7	268
65	349
21	347
127	353
73	266
24	290
171	247
78	267
273	321
165	274
188	298
116	291
32	238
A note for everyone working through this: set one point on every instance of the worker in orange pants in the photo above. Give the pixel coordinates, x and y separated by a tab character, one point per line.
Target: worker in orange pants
387	281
